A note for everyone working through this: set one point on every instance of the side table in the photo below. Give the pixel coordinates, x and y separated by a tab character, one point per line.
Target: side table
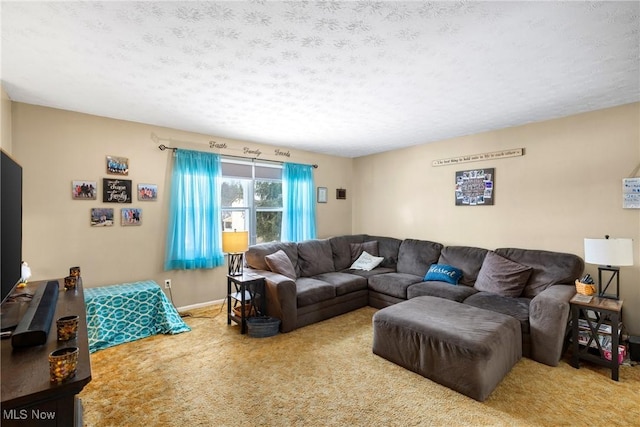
245	289
598	322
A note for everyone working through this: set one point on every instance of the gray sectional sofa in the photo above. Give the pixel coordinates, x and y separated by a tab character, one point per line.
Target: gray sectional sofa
314	282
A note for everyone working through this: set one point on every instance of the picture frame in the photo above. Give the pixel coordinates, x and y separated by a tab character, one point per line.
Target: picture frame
147	192
130	216
322	194
84	190
117	165
116	190
475	187
101	217
341	194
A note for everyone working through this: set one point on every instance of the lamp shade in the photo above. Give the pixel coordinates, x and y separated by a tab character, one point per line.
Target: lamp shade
235	241
613	252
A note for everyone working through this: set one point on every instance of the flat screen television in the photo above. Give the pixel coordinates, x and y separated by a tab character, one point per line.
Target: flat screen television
10	223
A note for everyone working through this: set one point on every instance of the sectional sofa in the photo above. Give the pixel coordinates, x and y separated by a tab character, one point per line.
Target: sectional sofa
310	281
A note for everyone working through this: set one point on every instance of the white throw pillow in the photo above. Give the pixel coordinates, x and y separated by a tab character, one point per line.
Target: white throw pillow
366	262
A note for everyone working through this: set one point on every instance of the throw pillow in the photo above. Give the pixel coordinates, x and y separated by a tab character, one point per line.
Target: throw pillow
443	273
502	276
280	263
366	262
358	248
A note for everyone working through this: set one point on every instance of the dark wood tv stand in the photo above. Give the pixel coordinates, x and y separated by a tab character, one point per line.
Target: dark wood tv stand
28	397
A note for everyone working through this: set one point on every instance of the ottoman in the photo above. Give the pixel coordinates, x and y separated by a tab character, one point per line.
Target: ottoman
465	348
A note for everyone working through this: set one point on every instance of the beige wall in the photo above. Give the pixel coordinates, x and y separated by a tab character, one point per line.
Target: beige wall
5	121
565	188
55	147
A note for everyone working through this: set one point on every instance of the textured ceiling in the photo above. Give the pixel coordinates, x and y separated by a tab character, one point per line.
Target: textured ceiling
342	78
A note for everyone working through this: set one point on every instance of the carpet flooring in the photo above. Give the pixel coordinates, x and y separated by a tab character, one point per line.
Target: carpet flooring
326	375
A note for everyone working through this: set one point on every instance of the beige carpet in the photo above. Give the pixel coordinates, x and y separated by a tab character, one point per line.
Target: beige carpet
326	375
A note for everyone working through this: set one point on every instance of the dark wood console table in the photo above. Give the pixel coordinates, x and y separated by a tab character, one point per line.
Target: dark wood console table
28	397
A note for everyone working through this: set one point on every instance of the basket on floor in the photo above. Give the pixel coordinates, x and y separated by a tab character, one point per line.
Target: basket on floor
248	310
585	288
261	327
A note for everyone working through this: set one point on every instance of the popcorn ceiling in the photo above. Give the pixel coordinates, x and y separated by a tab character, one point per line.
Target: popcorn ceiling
341	78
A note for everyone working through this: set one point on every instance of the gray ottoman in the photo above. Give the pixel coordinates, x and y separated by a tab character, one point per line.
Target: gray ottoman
465	348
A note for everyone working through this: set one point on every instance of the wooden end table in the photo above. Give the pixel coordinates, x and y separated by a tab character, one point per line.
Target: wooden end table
596	324
247	288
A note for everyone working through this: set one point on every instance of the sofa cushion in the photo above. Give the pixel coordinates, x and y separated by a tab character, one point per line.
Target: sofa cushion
343	282
279	262
466	258
443	273
315	257
374	272
393	284
388	248
441	290
254	257
366	262
310	291
502	276
514	307
549	268
416	256
341	249
369	247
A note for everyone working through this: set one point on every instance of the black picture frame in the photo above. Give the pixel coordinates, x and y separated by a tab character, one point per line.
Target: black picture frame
475	187
116	190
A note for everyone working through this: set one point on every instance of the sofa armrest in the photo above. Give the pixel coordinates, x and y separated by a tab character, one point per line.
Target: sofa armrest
281	298
548	319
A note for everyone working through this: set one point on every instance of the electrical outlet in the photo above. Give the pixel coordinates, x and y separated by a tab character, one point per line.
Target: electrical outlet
167	283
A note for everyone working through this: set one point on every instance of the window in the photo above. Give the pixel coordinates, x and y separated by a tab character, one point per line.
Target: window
251	199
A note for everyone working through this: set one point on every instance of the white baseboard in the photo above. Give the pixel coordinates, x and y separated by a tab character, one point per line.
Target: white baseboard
200	305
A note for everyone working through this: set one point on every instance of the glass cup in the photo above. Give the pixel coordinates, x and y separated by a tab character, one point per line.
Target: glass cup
62	364
70	282
74	271
67	328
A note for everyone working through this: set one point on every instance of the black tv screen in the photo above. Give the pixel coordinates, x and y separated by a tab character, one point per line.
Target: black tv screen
10	223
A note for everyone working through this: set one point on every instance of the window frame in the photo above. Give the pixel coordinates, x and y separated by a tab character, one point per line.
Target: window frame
251	210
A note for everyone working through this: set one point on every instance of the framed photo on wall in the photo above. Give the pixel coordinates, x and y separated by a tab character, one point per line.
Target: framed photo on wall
117	165
475	187
147	192
102	217
131	216
84	190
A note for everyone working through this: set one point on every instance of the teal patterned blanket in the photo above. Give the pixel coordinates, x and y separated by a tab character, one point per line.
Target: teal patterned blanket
127	312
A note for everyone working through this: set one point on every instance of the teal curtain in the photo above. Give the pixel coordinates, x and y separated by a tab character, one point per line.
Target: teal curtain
193	234
298	193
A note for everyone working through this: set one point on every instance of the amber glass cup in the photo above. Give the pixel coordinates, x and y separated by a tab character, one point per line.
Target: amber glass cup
74	271
70	282
63	363
67	328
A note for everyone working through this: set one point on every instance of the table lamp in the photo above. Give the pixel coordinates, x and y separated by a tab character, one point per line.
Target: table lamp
235	243
609	254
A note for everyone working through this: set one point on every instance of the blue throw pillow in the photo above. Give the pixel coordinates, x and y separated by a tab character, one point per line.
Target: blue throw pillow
443	273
